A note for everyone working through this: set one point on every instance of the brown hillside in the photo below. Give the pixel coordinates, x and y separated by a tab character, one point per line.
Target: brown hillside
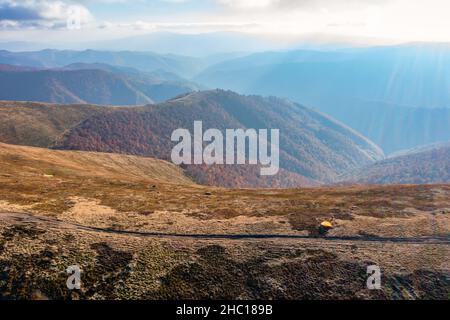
313	146
422	167
37	163
40	124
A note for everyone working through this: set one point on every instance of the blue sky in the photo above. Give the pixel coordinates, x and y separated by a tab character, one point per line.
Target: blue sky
396	20
145	9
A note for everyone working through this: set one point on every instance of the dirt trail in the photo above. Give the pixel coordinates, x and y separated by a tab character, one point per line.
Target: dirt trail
27	218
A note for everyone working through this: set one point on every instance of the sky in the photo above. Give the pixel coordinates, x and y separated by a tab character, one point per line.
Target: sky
89	20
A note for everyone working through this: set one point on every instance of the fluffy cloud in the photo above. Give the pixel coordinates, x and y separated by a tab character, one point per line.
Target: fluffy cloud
295	4
40	14
250	4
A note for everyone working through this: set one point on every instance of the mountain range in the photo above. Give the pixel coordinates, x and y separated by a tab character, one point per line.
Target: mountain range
90	83
314	148
426	165
206	45
397	96
144	61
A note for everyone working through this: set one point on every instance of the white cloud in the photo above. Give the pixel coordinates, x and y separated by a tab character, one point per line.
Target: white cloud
289	20
402	20
44	14
248	4
297	4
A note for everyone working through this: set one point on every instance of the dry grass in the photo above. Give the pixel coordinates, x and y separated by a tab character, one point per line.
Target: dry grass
17	161
125	267
129	192
138	194
40	124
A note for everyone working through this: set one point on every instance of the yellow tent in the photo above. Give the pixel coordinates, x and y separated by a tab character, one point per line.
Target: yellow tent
326	224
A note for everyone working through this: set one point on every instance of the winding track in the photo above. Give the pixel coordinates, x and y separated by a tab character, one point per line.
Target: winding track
27	218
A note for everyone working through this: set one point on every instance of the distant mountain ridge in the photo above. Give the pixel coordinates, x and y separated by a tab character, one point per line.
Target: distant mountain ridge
188	44
90	83
144	61
407	75
81	86
12	68
397	96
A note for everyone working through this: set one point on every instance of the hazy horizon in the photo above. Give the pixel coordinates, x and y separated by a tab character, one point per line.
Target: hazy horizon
262	25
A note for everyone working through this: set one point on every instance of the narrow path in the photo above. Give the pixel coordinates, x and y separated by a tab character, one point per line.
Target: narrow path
25	218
